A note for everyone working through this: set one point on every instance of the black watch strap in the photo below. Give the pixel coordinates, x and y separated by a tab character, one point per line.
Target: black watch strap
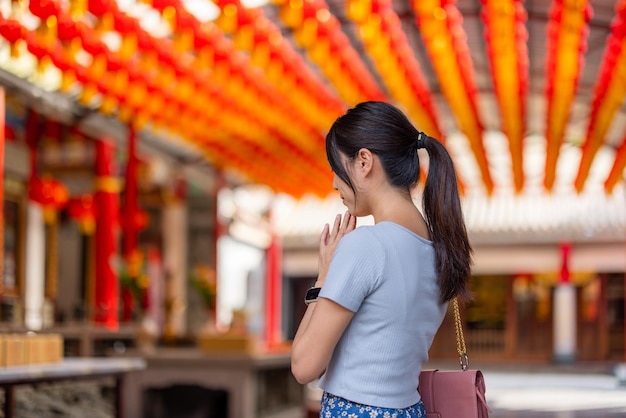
312	294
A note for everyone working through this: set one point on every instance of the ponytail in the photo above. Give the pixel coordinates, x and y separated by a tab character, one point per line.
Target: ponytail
442	209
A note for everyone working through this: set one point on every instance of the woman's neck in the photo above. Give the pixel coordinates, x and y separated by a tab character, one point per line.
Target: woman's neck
400	209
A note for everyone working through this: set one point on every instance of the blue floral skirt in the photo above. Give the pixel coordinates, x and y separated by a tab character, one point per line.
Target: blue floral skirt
334	406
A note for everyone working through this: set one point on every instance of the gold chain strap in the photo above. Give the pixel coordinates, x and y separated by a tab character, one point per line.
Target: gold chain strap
460	340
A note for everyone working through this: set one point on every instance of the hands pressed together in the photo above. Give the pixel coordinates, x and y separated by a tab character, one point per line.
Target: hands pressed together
329	240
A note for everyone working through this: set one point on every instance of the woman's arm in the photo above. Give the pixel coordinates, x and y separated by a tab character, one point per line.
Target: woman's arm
322	325
324	321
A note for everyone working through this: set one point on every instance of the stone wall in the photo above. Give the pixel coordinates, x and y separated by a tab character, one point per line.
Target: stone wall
78	399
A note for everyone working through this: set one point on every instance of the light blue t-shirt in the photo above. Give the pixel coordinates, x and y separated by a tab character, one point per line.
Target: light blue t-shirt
386	274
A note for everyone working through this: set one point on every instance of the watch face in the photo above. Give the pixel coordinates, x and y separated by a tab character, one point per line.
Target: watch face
312	294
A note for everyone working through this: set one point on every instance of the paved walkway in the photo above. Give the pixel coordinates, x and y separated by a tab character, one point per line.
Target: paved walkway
555	395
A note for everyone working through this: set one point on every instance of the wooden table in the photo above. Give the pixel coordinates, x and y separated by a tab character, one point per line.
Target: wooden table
259	385
69	369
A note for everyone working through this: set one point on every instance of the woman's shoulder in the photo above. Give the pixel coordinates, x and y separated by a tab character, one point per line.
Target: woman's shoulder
361	246
378	234
363	236
372	231
375	230
362	232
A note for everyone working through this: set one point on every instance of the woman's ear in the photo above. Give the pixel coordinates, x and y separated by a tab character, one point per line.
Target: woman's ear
364	160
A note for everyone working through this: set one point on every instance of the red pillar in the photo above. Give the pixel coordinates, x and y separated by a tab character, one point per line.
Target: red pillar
565	253
2	139
273	297
107	203
130	230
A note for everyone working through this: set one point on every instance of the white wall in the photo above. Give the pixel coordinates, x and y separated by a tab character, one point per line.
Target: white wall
237	264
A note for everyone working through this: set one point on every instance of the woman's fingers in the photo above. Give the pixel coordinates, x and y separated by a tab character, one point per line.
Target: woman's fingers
324	235
329	239
351	224
341	226
347	223
336	225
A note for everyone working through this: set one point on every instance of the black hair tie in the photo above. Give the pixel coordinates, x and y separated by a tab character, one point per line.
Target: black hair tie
420	140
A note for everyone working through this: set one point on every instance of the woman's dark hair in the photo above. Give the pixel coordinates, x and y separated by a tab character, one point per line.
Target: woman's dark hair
387	132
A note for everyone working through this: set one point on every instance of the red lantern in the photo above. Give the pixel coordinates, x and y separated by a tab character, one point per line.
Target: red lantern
51	194
83	210
162	4
66	28
100	7
35	47
43	9
137	221
91	42
12	30
185	20
48	192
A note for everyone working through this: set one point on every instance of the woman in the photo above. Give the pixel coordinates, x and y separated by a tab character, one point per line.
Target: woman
383	289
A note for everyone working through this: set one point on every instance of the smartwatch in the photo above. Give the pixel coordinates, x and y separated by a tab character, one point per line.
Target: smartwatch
311	295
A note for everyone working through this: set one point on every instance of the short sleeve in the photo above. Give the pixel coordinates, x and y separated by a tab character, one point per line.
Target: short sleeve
354	270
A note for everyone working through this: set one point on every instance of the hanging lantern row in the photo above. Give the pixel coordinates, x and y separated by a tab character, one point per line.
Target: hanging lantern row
380	29
266	166
567	43
253	32
253	102
262	156
318	31
298	182
261	166
446	42
228	68
285	69
211	44
179	115
609	93
506	37
267	49
192	122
